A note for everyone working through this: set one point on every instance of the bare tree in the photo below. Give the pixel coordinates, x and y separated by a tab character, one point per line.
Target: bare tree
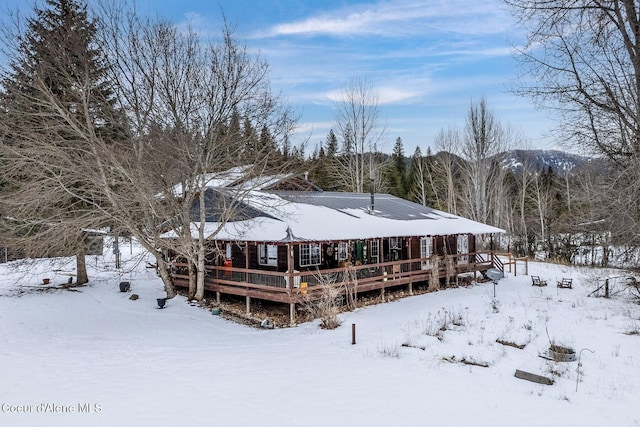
177	96
357	121
582	59
483	142
419	178
524	179
448	143
185	96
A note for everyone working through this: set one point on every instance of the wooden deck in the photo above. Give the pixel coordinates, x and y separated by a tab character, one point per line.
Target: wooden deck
297	287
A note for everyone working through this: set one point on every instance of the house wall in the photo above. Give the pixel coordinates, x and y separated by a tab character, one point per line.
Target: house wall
407	246
282	258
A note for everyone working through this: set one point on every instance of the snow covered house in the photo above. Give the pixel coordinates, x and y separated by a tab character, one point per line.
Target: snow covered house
287	237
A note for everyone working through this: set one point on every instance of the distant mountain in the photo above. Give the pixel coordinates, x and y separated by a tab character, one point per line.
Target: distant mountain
561	162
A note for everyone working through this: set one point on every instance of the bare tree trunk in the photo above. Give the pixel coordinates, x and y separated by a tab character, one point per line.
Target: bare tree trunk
541	204
191	293
81	268
448	142
165	275
201	242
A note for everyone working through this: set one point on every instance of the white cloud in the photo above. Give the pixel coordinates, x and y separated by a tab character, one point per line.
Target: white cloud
386	94
397	18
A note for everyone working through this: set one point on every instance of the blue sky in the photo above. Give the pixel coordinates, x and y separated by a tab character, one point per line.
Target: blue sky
427	59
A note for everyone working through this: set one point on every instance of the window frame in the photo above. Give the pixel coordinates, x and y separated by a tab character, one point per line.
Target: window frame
374	251
309	254
343	251
265	255
426	242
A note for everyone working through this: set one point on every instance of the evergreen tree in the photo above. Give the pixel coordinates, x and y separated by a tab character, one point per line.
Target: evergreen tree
250	139
332	144
58	50
398	173
323	167
234	134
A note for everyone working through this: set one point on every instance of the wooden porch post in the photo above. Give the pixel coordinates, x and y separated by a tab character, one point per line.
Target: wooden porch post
290	266
246	262
410	264
248	304
292	313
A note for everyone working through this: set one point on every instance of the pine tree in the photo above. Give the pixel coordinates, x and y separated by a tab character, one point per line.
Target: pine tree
332	144
250	140
234	134
58	50
398	172
323	167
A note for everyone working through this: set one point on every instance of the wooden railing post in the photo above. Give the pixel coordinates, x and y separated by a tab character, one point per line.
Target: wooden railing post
290	266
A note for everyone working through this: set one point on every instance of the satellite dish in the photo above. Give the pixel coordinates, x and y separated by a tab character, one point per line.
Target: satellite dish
494	274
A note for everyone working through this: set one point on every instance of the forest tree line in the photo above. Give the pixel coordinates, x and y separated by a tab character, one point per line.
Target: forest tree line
545	210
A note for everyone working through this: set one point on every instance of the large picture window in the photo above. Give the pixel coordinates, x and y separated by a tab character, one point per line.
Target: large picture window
309	254
268	255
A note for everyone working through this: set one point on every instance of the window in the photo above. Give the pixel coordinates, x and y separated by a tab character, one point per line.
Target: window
463	248
309	254
268	255
395	249
425	252
394	243
374	251
343	253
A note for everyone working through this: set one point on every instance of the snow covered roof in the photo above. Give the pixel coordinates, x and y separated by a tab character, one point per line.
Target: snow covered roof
241	178
218	180
322	216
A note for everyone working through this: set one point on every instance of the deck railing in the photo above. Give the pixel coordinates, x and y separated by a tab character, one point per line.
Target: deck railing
368	276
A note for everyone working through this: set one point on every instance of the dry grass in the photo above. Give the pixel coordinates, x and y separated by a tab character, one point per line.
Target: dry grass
329	304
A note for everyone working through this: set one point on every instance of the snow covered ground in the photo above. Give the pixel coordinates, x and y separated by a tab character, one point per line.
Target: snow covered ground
92	357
